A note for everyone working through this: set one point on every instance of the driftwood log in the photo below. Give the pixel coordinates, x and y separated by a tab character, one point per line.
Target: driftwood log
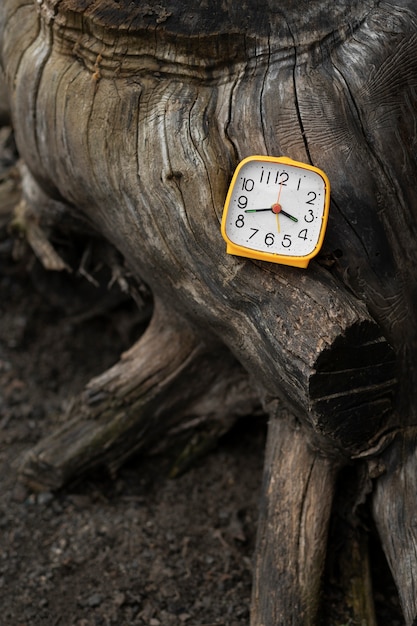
132	116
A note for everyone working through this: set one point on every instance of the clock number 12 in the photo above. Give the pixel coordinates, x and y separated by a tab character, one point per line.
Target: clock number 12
268	178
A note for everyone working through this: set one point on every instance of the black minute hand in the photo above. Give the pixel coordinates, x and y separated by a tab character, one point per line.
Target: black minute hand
282	212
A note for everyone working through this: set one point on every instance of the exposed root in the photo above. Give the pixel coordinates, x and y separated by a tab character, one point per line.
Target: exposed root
168	377
25	225
394	508
296	503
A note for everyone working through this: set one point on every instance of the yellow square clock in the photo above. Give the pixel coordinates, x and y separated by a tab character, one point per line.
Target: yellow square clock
276	210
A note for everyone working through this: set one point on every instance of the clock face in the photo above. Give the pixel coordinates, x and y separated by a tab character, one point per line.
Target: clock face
276	210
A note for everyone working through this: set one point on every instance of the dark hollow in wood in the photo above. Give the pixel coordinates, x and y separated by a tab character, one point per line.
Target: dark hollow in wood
353	388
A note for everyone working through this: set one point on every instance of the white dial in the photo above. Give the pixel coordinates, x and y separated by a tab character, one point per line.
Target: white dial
276	207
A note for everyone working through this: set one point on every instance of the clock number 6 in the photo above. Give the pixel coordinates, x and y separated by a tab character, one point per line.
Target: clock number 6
269	239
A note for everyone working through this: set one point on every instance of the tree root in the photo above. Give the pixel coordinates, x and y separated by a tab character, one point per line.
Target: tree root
167	378
355	574
296	504
348	568
394	509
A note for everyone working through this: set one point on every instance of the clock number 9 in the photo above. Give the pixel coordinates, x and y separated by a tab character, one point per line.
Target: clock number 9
242	202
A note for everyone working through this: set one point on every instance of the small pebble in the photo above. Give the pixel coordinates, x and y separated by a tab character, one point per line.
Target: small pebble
94	600
184	617
119	598
45	497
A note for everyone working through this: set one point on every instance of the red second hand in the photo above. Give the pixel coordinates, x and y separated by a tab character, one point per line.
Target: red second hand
277	207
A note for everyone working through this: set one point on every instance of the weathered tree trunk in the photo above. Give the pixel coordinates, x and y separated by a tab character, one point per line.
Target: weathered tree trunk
292	533
134	117
396	518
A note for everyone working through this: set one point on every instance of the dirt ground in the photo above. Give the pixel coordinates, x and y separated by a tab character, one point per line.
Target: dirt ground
137	549
140	549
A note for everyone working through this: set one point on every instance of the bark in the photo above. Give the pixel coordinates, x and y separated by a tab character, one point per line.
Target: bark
297	495
394	506
4	104
349	564
355	578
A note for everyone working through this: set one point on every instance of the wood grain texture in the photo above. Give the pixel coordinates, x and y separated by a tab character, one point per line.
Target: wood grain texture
394	508
292	533
148	157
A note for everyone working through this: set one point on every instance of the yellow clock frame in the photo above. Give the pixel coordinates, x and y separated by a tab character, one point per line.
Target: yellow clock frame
296	261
